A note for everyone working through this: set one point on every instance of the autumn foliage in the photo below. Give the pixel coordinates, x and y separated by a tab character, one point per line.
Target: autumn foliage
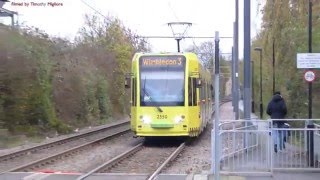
285	25
49	84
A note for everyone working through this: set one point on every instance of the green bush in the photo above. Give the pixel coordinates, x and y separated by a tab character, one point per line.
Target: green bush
104	103
51	85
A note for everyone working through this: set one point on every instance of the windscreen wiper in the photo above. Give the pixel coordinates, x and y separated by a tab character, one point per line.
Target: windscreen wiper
146	93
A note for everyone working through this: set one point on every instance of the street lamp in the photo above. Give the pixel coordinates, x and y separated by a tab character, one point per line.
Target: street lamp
261	107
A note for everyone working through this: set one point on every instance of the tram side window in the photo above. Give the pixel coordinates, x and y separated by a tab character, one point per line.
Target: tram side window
189	92
202	93
194	92
133	91
208	91
205	91
192	95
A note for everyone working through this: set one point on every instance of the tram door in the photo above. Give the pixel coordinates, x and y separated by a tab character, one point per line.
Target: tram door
194	109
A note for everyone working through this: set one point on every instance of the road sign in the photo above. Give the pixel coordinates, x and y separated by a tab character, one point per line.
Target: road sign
308	60
309	76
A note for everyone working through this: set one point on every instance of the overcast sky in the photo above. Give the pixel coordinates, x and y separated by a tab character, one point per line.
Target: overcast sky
145	17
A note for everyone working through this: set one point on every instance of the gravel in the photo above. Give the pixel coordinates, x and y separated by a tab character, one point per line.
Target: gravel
144	161
97	155
196	157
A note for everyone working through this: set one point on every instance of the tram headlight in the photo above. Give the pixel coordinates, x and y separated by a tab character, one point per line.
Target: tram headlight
178	119
145	119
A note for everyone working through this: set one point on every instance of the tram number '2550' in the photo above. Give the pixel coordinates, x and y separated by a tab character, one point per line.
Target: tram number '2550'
161	116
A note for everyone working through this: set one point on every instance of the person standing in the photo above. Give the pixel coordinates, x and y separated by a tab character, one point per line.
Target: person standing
277	110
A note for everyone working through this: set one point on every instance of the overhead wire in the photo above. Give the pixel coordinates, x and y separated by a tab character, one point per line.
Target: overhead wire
175	15
94	9
194	44
185	31
106	18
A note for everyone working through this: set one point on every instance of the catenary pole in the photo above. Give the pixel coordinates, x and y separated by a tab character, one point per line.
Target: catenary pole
247	69
236	57
216	143
233	79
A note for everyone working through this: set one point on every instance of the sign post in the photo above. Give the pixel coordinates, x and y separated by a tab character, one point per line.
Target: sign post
309	61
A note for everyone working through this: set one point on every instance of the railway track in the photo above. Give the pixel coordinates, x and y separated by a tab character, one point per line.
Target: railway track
130	156
222	101
167	161
36	164
105	132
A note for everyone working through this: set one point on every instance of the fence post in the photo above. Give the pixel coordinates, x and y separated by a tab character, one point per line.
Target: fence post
234	137
310	144
271	144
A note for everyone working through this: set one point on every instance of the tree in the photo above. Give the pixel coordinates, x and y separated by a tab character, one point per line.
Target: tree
205	52
118	40
285	23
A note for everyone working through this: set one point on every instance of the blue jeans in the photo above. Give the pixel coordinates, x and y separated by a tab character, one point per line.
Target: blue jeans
278	137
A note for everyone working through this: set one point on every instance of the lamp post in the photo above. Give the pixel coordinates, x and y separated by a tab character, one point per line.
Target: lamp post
252	101
273	70
261	104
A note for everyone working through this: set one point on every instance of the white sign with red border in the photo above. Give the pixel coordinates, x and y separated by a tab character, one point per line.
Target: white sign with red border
309	76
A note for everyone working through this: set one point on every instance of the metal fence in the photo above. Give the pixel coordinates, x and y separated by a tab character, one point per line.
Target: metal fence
317	143
248	147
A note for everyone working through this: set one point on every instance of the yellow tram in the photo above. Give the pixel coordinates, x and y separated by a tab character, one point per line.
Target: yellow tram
170	94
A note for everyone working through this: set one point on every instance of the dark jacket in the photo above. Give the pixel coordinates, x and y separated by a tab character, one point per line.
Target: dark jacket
277	109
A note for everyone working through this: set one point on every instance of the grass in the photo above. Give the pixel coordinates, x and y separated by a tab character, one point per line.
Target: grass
19	140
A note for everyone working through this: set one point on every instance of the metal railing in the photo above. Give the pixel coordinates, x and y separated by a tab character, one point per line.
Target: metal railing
317	143
300	141
235	143
317	126
249	148
244	149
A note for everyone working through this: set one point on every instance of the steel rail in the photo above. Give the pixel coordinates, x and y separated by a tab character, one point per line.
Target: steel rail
175	153
134	150
61	154
170	158
58	142
113	161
